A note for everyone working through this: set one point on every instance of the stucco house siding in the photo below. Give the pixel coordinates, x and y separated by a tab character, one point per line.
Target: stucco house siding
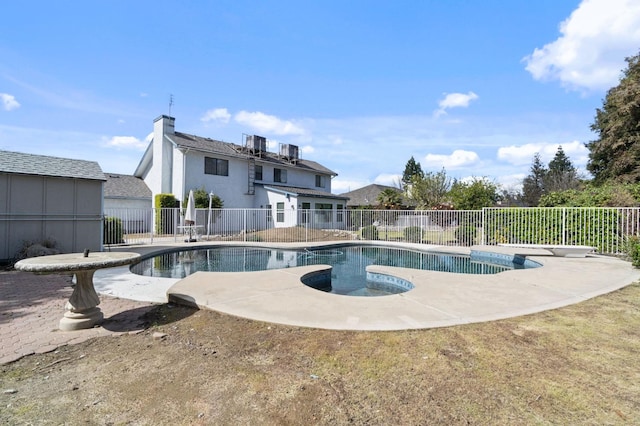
183	156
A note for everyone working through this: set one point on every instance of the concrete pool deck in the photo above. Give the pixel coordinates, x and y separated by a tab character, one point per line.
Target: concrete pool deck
439	299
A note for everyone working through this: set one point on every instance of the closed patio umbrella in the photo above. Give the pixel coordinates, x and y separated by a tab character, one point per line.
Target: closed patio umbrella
190	215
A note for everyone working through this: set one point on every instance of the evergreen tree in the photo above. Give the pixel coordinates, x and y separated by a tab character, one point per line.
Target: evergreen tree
561	175
615	155
412	169
533	184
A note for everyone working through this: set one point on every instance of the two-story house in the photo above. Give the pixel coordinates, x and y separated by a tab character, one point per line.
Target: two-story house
243	176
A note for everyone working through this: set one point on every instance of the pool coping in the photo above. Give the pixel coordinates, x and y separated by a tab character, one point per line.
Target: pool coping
439	299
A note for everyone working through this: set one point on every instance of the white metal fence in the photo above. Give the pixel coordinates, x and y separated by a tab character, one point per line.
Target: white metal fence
604	228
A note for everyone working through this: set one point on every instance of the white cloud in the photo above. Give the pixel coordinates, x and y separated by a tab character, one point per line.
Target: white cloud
268	123
128	142
511	183
523	154
220	115
340	186
458	158
388	179
9	102
590	52
307	149
455	100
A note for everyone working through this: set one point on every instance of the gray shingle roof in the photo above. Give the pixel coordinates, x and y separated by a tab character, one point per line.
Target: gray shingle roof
125	186
42	165
233	150
366	196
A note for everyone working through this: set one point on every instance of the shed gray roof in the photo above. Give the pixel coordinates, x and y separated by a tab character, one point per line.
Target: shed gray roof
43	165
184	140
125	186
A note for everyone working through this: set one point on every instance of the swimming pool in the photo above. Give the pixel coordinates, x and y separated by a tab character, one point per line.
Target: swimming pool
348	274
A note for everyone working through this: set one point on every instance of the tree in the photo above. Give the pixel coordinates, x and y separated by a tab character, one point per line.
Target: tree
410	170
201	200
390	198
429	190
474	195
615	155
590	195
561	175
533	184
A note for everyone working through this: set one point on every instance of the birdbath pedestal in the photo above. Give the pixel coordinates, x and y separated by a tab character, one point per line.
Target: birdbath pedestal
82	308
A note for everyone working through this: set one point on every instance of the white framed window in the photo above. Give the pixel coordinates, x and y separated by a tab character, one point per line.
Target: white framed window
216	166
280	212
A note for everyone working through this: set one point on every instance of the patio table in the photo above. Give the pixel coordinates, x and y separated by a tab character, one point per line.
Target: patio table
190	230
82	308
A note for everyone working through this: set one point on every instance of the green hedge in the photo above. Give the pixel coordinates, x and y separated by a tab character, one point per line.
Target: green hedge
466	235
413	234
369	233
112	231
572	226
166	219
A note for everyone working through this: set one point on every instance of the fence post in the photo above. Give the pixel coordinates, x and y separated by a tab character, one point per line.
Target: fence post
153	223
482	220
564	226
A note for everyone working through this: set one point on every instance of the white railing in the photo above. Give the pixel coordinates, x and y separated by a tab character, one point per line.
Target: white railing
604	228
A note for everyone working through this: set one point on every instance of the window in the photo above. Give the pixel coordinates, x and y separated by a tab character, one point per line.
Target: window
320	181
216	166
257	174
279	212
323	212
339	213
280	175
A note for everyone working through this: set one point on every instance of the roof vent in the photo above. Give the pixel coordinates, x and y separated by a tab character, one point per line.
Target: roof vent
289	152
256	144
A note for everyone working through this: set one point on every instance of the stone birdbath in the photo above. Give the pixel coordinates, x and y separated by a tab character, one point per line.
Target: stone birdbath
82	308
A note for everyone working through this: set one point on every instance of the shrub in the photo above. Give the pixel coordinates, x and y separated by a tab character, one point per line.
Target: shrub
554	226
255	238
369	233
413	234
633	250
165	219
112	231
33	249
466	235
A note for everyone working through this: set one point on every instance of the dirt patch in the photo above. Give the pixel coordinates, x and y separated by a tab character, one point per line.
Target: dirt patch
575	365
293	234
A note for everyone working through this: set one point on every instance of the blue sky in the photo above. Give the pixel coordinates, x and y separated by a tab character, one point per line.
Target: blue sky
474	87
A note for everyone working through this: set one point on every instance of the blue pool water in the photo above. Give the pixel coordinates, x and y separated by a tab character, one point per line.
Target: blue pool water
348	275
